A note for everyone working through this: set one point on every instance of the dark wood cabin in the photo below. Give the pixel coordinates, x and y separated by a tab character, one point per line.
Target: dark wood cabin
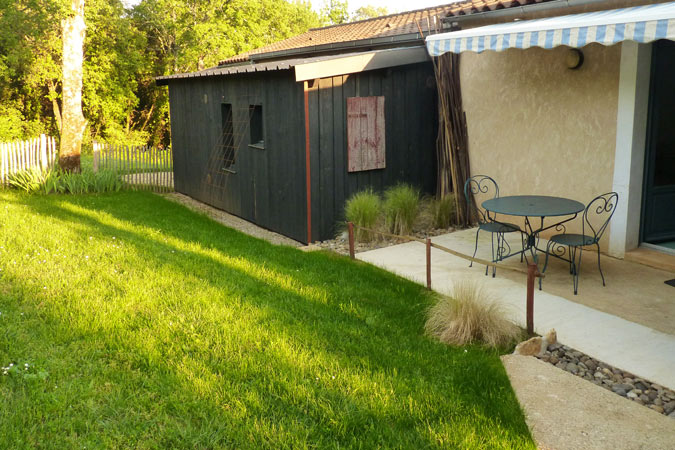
240	142
283	135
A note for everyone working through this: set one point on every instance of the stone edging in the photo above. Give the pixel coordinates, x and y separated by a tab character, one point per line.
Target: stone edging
625	384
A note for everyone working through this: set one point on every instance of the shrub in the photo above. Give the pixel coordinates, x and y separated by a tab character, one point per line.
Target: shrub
444	211
363	209
469	316
401	205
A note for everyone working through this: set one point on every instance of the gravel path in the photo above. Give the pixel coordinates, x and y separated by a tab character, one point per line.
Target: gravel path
232	221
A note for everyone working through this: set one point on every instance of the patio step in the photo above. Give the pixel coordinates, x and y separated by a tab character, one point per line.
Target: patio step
652	258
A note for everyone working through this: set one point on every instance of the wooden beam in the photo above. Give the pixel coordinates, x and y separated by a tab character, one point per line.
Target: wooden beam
308	173
359	63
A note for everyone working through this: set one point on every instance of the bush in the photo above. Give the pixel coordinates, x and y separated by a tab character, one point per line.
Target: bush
469	316
444	211
55	181
363	209
401	205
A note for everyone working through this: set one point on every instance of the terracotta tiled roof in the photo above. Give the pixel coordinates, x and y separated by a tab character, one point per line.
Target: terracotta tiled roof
382	27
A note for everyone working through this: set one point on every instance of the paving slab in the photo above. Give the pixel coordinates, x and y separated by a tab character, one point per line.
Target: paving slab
633	347
566	412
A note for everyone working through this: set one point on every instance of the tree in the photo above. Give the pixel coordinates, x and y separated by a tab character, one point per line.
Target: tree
369	12
335	12
73	122
188	35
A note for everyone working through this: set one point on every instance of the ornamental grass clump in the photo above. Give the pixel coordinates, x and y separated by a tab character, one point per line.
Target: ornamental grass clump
363	209
56	181
444	211
401	206
470	316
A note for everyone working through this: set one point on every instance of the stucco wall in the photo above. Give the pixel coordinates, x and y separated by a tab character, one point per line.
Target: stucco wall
538	127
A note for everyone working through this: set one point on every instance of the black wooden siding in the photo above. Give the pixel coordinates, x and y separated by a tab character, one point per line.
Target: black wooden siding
410	125
269	186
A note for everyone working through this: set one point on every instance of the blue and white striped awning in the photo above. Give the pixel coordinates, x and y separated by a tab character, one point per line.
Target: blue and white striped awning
640	24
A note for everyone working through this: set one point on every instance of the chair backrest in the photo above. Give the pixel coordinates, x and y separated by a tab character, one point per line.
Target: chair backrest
597	215
477	189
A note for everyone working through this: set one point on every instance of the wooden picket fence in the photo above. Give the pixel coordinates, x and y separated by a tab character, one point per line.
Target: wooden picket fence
38	153
141	167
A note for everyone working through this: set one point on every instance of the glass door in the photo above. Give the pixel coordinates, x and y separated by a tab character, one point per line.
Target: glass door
658	215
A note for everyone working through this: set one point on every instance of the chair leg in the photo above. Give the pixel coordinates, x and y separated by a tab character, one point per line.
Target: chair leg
475	248
577	269
548	247
492	237
496	255
600	269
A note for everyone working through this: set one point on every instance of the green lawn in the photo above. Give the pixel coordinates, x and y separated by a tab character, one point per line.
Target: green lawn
146	325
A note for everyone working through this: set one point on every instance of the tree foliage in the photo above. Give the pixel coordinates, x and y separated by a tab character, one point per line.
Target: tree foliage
125	48
335	12
369	12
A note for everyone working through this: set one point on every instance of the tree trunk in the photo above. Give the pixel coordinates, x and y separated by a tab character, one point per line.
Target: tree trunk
55	104
73	123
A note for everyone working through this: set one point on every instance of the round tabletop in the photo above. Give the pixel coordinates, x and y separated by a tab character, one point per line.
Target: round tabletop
533	206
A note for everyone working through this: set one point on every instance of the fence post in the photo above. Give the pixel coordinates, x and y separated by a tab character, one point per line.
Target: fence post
428	243
97	158
350	229
531	273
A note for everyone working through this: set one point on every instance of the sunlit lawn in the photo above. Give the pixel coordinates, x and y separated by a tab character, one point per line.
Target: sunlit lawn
146	325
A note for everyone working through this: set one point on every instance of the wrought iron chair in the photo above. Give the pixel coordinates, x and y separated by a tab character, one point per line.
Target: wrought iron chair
486	187
596	217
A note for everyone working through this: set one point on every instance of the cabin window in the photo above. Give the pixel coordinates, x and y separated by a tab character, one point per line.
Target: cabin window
229	151
256	126
365	133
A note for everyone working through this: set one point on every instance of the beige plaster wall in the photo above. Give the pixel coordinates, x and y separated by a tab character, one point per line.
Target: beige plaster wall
538	127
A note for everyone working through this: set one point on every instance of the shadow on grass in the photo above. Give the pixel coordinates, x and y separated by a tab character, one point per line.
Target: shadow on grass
300	300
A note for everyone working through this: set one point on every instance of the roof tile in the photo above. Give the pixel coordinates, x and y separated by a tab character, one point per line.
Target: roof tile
379	27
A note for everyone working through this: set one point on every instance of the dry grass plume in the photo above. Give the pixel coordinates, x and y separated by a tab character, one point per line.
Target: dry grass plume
470	316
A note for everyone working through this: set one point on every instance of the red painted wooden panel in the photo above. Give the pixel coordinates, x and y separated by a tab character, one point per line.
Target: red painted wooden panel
354	134
365	133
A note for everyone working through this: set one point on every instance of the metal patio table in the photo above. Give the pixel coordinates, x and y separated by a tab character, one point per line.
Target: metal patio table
533	206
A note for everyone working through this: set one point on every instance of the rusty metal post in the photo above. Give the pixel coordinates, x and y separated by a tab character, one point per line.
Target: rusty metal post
531	274
428	263
350	227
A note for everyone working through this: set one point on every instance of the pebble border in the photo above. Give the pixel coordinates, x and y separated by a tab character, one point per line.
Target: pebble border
625	384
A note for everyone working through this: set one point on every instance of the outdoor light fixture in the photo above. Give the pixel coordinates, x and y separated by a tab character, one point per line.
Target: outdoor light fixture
574	58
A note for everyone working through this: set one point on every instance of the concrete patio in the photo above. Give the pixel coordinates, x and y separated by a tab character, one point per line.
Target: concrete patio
628	324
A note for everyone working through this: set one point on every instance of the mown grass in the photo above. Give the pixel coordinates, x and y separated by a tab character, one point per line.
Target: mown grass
158	328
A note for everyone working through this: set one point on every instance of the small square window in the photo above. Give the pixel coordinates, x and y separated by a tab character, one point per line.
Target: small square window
256	126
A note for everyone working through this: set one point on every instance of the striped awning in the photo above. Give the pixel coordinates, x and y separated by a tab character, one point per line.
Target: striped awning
640	24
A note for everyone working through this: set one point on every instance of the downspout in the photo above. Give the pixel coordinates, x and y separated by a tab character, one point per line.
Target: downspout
308	172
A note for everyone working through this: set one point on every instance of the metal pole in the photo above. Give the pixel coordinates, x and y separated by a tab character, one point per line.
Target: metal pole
428	263
531	274
350	227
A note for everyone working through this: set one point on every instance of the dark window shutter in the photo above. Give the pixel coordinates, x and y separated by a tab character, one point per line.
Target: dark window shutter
365	133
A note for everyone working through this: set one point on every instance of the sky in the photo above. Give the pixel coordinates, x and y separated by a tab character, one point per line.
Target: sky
391	5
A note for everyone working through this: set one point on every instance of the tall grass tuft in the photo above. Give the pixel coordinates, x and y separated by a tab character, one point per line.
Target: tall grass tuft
444	211
401	206
30	180
470	316
363	209
56	181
